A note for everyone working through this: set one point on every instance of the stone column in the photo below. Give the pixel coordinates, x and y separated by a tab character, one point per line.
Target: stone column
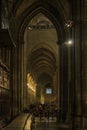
13	83
18	87
64	79
84	61
25	90
80	39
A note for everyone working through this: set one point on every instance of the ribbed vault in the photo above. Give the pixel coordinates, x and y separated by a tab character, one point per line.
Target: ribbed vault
42	62
42	51
41	26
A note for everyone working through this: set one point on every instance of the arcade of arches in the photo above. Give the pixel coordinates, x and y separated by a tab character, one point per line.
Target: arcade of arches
43	50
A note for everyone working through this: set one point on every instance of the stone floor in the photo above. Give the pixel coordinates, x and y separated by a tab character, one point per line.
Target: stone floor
24	122
51	124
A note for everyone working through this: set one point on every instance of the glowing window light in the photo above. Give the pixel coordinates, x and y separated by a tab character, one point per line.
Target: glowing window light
30	83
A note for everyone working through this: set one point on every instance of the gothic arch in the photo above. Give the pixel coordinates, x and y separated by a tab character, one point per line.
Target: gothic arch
49	11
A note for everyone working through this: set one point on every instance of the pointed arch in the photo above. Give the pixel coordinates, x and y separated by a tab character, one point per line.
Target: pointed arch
49	11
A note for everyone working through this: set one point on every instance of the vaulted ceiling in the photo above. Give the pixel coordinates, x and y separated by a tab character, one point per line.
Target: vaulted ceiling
42	49
40	25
